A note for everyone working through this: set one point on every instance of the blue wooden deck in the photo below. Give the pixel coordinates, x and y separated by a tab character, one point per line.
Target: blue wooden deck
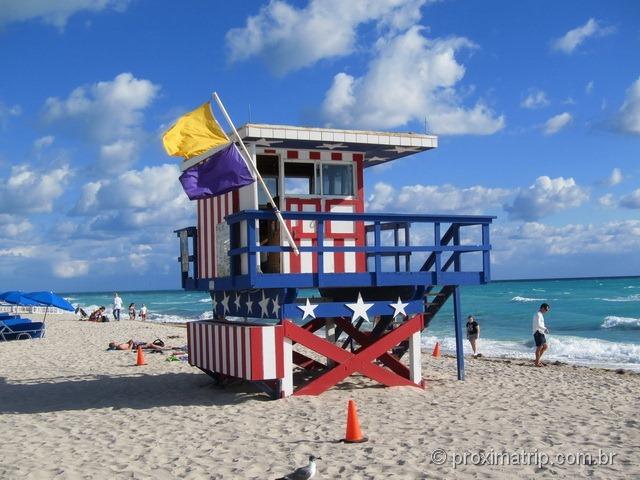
398	252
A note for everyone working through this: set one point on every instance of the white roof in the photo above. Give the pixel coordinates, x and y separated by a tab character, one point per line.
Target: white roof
378	147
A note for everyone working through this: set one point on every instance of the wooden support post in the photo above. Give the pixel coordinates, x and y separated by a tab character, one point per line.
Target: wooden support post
415	358
457	316
330	336
287	354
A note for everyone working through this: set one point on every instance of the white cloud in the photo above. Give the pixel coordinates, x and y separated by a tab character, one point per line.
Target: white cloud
589	88
105	111
535	99
614	179
546	196
628	118
607	200
29	191
411	77
436	198
135	199
539	239
54	13
557	123
7	111
43	142
287	38
27	252
70	268
632	200
573	38
12	226
118	156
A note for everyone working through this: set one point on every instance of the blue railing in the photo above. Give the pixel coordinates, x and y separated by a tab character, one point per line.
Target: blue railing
444	252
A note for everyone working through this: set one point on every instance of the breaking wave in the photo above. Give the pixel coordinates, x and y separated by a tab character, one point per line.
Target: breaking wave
527	299
574	350
621	322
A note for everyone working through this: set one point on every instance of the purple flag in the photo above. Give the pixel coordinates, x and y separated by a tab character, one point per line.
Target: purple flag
220	173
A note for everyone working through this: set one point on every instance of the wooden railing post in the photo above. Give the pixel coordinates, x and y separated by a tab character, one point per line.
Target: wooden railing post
457	264
486	256
377	244
251	250
438	253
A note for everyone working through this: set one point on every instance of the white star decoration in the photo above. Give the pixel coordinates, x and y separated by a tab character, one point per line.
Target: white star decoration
276	307
249	305
359	309
215	304
399	149
308	310
237	302
264	305
398	308
225	303
263	142
331	146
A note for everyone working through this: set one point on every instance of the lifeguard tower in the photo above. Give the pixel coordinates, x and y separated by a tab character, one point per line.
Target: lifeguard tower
363	287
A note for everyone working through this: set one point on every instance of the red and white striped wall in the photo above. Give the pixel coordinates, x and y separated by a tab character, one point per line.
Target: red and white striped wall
243	351
211	212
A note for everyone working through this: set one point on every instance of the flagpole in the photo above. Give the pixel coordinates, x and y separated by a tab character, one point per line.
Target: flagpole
254	169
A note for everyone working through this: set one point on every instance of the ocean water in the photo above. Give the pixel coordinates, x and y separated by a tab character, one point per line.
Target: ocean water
591	322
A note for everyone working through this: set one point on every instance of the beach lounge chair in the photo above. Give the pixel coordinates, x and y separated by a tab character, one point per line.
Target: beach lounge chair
20	329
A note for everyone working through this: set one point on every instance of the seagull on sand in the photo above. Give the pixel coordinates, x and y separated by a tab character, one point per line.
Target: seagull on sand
303	473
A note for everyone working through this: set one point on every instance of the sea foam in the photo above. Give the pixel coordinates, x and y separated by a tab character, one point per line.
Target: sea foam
527	299
574	350
621	322
628	298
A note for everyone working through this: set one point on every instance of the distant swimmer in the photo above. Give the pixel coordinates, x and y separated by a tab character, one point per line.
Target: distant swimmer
539	331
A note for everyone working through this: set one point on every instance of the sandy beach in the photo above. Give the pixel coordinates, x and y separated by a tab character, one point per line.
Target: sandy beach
71	409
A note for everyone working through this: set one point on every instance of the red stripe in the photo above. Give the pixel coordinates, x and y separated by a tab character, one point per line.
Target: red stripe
269	151
314	155
232	351
236	201
226	339
207	232
361	262
245	360
292	154
210	348
219	347
190	342
200	257
257	370
336	156
338	257
279	339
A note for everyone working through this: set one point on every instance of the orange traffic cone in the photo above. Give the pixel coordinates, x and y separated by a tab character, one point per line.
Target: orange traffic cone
353	435
436	350
140	360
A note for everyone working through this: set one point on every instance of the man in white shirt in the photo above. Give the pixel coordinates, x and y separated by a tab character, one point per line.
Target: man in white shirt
538	332
117	306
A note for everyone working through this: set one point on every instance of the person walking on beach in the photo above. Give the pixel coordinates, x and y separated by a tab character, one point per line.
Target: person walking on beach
143	312
117	306
132	311
539	331
473	332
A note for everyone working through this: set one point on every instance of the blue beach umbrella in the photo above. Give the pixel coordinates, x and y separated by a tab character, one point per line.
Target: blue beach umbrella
50	299
17	297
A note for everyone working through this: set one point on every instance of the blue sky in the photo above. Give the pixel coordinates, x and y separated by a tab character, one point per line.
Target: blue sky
536	104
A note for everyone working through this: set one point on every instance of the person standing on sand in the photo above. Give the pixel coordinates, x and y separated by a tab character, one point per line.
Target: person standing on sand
132	311
473	333
117	306
539	331
143	312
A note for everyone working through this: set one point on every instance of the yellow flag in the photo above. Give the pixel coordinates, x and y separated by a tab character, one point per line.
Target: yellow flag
194	133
